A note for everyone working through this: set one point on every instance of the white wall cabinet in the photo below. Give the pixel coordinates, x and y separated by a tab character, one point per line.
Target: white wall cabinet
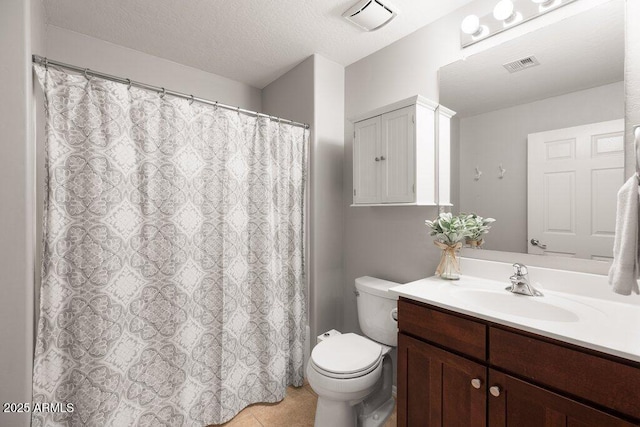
402	156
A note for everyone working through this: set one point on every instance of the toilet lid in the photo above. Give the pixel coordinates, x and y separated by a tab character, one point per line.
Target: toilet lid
346	354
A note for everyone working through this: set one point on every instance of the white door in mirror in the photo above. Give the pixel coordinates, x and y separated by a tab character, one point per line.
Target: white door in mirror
573	178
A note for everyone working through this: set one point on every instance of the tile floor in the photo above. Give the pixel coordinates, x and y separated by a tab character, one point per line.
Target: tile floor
297	409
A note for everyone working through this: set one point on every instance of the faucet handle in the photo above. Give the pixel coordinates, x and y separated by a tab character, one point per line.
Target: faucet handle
520	269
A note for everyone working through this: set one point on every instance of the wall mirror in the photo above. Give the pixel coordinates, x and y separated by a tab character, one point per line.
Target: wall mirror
538	138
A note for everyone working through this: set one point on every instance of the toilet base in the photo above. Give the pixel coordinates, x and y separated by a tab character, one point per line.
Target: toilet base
379	416
377	408
334	413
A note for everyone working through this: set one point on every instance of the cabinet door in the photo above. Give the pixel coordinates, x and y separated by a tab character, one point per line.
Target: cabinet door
397	154
515	403
435	387
366	161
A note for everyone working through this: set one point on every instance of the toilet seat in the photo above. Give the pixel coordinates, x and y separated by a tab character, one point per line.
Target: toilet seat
346	356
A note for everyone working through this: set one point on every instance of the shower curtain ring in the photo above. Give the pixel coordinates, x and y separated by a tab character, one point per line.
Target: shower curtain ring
191	100
128	84
215	107
238	110
164	92
46	64
86	76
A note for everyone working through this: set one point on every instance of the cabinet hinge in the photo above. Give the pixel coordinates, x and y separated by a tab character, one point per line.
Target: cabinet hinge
413	118
354	191
414	188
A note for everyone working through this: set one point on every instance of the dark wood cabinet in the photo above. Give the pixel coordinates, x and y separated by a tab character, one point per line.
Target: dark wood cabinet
438	387
456	370
516	403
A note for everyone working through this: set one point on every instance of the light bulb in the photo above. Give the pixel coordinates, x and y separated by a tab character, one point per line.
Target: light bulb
504	10
546	4
471	25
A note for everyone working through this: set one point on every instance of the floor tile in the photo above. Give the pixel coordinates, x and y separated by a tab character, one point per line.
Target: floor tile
308	387
393	419
244	419
297	409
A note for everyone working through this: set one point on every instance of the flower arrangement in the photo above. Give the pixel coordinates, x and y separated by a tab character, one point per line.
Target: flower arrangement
477	227
450	231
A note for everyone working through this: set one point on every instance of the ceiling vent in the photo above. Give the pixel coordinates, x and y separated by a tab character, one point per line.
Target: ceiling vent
521	64
371	14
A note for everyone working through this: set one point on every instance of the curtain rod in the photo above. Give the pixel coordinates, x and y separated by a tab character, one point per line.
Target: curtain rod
87	72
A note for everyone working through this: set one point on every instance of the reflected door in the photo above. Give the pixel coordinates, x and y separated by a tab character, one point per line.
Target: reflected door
573	178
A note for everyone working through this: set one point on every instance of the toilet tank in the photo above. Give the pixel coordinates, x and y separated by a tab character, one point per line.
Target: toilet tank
375	307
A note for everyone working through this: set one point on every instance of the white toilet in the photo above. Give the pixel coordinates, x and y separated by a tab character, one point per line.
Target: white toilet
352	374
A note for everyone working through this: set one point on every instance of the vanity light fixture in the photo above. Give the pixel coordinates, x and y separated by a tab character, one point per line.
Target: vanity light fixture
505	14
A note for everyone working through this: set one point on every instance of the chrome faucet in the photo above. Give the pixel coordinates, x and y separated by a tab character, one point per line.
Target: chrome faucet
520	282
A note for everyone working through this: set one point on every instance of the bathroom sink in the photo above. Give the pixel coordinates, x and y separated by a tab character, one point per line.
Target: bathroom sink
547	308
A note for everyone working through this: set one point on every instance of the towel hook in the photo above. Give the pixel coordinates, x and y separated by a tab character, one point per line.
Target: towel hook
478	174
501	171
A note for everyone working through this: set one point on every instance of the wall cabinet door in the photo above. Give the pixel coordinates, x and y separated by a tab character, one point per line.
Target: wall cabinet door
515	403
397	156
366	161
438	388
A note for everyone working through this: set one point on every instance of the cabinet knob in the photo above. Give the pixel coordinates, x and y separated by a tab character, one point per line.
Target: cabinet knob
377	159
476	383
494	390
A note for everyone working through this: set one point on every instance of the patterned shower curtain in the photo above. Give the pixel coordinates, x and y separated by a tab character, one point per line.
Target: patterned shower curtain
173	288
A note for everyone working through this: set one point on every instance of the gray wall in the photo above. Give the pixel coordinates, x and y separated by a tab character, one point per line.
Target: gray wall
392	242
21	25
82	50
313	92
489	139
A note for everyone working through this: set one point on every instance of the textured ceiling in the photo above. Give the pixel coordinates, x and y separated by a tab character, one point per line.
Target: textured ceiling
251	41
580	52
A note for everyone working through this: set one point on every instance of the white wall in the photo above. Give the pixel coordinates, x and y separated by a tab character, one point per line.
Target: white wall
84	51
326	196
500	137
632	80
313	92
392	242
21	29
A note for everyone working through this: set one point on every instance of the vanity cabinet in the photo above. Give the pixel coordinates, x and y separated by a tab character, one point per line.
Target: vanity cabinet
456	370
401	155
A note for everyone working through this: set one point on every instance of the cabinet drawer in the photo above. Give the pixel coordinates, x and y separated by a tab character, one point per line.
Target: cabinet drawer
450	331
583	375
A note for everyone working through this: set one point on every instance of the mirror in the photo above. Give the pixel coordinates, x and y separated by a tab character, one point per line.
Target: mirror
540	146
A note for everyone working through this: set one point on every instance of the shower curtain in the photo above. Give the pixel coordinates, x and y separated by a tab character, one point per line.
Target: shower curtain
173	276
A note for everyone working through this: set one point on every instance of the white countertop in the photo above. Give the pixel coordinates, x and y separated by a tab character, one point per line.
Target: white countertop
591	317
